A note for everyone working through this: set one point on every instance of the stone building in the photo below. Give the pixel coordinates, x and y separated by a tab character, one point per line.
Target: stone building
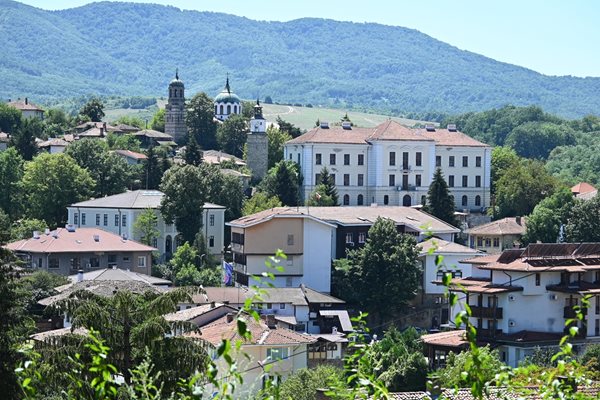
175	110
257	144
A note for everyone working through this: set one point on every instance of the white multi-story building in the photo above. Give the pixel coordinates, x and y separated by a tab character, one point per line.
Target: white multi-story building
391	164
522	298
119	212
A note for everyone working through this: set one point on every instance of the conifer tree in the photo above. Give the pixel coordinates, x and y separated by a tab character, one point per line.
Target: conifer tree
440	203
329	186
193	153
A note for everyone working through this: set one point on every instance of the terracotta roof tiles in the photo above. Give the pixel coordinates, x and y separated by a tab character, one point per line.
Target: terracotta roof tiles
504	226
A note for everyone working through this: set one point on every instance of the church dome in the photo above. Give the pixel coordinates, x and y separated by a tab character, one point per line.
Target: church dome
227	96
176	81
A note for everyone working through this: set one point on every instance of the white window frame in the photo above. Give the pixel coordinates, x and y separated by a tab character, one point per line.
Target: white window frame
141	262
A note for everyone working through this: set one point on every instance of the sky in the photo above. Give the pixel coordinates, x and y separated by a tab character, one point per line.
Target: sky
554	37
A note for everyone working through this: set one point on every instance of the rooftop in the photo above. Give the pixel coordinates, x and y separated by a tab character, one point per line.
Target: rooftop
446	339
118	274
153	134
53	142
217	157
191	313
439	246
139	199
504	226
300	296
24	105
582	188
80	240
131	154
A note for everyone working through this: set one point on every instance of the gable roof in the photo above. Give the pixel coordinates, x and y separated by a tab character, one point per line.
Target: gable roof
151	133
299	296
194	312
53	142
24	105
582	188
441	246
217	157
138	199
131	154
504	226
118	274
81	240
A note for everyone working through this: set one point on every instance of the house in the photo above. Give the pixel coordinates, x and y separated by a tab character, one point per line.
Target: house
95	130
497	236
27	108
391	164
150	137
116	274
217	157
301	308
124	128
65	251
284	350
53	145
132	157
523	298
584	191
329	348
313	236
118	214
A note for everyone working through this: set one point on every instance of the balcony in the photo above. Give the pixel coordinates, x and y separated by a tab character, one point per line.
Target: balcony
407	188
488	333
486	312
406	168
570	313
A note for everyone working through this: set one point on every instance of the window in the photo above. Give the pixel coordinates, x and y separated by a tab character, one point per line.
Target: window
290	240
465	161
318	158
496	242
346	179
142	262
82	218
392	180
317	179
97	219
53	263
349	238
418	159
117	220
451	161
112	260
392	158
438	161
288	282
537	279
479	242
124	220
269	306
386	200
465	181
451	180
211	220
277	353
405	160
478	200
75	263
332	159
94	262
417	180
477	181
488	242
105	219
76	218
464	200
360	180
346	200
211	241
478	161
361	159
362	237
346	159
359	200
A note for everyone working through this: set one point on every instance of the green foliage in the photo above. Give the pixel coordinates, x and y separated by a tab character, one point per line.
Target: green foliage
10	118
574	164
93	110
276	139
544	223
258	202
40	285
452	376
110	172
52	182
158	120
23	228
582	225
232	135
319	198
283	181
288	128
389	262
591	357
146	226
329	191
440	203
193	152
131	120
303	384
225	190
23	139
185	195
503	159
56	122
11	172
153	169
200	121
538	139
122	142
268	100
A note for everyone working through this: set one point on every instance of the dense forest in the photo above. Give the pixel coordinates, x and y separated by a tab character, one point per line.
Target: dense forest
133	49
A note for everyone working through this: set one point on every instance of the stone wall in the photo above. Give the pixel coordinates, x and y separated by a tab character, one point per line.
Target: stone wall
258	155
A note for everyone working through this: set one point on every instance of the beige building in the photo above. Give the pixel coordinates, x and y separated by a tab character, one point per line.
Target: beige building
392	164
497	236
27	108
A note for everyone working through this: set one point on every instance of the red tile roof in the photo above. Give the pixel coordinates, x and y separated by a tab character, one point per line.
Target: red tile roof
447	339
582	187
505	226
444	137
24	105
131	154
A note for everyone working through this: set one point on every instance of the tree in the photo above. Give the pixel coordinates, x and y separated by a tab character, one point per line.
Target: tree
258	202
389	262
232	135
145	226
11	173
268	100
40	285
52	182
440	203
132	121
303	384
24	228
503	159
110	172
276	139
153	171
10	118
158	120
200	121
184	199
283	181
56	122
93	109
319	198
548	216
582	224
538	139
452	374
193	153
288	128
330	191
23	139
122	142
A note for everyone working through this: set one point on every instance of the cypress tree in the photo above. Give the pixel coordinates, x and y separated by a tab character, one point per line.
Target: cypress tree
193	153
329	184
440	203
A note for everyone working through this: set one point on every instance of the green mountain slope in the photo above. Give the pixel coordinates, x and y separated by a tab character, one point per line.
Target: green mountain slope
133	49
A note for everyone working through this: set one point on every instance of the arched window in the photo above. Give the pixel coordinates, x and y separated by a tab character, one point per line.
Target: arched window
464	200
221	109
386	199
359	200
406	201
477	200
174	92
168	245
216	110
228	109
423	199
346	200
235	108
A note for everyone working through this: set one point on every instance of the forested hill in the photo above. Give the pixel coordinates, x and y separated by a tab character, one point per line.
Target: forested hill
133	49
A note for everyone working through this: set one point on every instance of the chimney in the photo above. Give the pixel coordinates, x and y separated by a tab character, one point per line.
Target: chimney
324	125
270	321
430	127
102	131
26	100
104	125
451	127
212	304
346	125
96	238
36	234
70	228
518	220
80	275
47	231
229	317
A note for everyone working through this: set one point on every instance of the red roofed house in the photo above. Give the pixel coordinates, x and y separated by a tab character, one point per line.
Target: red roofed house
27	108
391	164
497	236
132	157
66	250
584	191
